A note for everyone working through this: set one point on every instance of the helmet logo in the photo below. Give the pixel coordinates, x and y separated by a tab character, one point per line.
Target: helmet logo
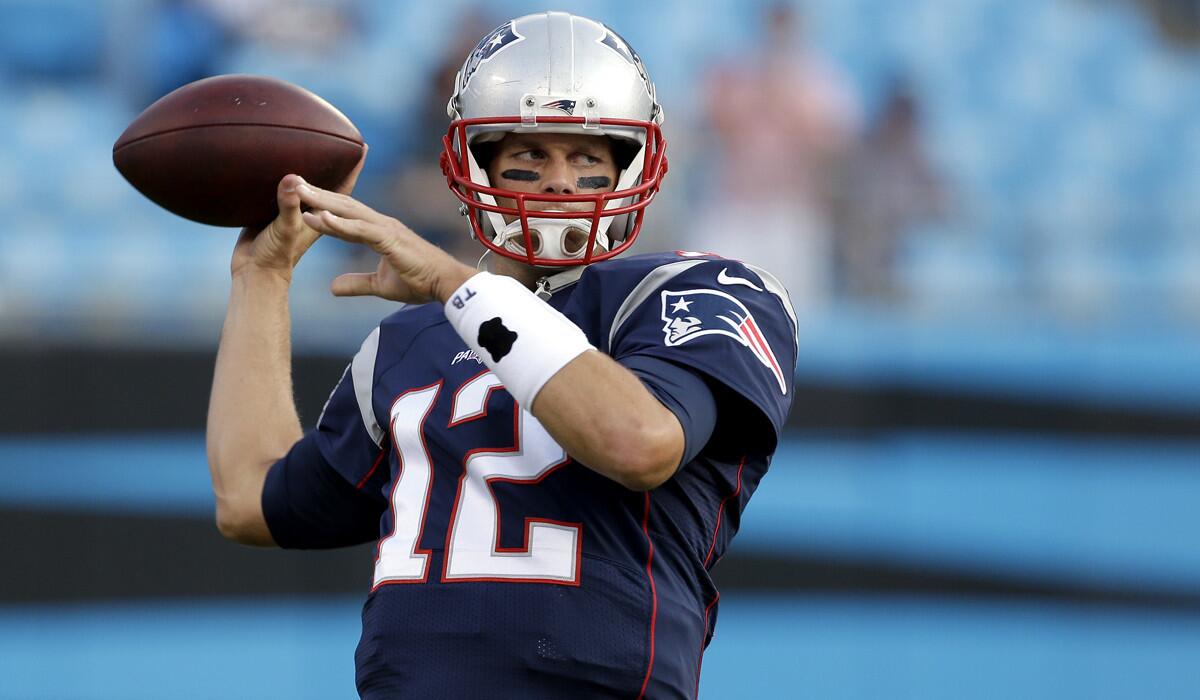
496	40
617	43
567	106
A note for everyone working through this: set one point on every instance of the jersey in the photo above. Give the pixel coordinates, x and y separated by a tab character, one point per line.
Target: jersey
504	568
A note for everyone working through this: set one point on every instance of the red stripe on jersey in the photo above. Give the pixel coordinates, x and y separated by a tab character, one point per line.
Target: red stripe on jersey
721	510
700	663
764	350
378	460
653	593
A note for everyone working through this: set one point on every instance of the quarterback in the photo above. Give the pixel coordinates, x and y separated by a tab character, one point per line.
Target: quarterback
551	449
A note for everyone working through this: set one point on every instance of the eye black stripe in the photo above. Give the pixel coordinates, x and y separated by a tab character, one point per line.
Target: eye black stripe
593	182
521	175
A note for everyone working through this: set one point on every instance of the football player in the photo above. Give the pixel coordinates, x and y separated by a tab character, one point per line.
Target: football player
553	450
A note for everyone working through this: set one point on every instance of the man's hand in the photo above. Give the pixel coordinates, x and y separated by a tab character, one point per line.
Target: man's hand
410	270
279	246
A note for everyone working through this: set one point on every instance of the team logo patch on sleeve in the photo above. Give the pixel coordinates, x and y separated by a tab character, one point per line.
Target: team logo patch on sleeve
699	312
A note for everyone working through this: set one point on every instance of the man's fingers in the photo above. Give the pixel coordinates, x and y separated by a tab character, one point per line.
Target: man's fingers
354	284
352	230
340	204
288	197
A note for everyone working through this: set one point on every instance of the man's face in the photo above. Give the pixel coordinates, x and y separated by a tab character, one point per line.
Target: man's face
553	164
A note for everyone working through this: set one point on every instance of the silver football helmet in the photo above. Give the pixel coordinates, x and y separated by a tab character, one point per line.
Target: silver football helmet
559	73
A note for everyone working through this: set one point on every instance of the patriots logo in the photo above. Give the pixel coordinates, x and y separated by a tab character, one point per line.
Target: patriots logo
617	43
699	312
497	39
567	106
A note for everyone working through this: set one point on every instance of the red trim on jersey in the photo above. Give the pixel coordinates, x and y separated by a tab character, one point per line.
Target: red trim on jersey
653	592
578	526
487	397
378	460
763	347
396	482
703	641
721	510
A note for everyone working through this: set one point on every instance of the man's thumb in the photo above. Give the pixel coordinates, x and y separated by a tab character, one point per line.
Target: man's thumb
354	284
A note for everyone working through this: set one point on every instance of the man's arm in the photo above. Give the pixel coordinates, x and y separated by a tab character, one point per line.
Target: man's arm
252	419
602	414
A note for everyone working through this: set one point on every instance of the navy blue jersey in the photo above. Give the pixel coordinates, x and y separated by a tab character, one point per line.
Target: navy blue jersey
504	567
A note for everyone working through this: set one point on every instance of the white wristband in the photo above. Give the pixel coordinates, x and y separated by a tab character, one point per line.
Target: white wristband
520	337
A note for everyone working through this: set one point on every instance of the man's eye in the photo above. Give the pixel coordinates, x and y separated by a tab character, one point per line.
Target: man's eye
585	159
529	155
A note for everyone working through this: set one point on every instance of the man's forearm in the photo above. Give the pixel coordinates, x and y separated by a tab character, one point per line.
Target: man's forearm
606	418
252	418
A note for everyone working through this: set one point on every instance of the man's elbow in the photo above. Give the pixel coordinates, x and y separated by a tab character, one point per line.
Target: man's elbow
650	460
647	479
240	521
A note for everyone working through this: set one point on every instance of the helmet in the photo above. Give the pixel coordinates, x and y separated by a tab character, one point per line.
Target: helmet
554	72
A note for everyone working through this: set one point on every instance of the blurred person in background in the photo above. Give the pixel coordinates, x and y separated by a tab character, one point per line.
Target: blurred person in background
305	26
890	187
784	122
1178	20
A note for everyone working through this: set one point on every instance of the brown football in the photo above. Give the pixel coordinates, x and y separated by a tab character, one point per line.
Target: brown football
215	150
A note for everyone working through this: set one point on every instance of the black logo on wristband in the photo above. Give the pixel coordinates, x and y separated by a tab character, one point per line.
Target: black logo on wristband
496	338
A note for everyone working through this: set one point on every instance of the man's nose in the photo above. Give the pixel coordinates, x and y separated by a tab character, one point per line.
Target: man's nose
558	177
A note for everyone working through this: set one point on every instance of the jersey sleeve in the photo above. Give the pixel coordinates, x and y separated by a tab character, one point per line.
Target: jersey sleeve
308	505
326	491
348	432
684	393
731	323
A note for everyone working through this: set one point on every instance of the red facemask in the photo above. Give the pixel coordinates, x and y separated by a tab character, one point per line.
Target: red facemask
456	167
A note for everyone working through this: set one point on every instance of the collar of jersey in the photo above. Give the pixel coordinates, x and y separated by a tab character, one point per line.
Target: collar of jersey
548	285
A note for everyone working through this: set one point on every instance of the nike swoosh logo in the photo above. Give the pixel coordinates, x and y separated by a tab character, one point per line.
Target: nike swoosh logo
725	278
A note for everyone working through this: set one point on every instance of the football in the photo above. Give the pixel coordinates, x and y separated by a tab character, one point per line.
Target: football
214	151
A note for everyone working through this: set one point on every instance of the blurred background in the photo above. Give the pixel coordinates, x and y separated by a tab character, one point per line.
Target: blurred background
988	215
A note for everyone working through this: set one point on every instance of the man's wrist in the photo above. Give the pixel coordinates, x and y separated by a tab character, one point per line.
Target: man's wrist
453	278
521	338
255	271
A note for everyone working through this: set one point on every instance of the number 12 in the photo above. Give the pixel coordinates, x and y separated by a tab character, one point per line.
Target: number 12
551	553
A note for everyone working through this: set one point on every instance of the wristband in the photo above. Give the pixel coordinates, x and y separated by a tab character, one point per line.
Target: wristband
520	337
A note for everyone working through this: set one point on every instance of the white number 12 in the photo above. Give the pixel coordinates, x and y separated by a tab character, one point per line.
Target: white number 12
551	553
